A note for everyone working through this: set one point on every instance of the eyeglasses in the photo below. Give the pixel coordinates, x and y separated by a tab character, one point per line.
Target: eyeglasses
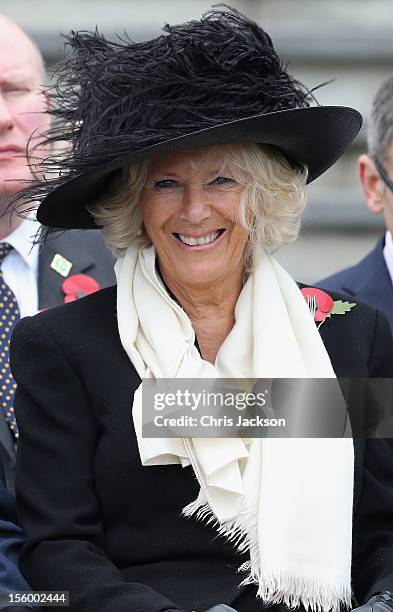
383	174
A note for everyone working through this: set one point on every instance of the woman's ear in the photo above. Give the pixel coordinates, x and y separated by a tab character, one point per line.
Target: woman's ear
373	187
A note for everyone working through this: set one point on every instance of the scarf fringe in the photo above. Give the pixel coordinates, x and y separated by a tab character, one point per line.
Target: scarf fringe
294	591
273	588
236	531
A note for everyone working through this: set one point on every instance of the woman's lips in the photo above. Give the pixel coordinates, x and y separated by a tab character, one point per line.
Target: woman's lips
200	247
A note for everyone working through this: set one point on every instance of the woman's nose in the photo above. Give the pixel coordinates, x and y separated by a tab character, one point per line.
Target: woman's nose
195	205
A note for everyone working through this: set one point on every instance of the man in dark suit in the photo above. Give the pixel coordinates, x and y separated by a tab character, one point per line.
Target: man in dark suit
372	278
11	538
32	277
87	253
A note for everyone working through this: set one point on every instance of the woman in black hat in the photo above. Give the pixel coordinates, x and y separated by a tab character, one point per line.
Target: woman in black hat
192	152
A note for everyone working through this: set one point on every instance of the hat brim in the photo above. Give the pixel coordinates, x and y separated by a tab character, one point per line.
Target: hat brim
315	136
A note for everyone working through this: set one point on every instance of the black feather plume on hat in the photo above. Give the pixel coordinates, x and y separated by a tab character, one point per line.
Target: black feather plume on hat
111	98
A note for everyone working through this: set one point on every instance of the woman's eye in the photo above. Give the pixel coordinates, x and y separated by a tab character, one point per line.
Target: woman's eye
223	180
16	89
165	184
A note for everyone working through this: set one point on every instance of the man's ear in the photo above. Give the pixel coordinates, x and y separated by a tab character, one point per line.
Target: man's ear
372	185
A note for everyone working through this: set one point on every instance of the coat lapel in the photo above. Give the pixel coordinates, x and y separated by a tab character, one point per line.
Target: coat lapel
70	246
371	281
358	443
6	442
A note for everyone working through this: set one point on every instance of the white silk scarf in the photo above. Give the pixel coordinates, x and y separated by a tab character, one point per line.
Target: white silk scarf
286	501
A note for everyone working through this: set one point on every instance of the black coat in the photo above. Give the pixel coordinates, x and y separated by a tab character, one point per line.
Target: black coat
89	255
109	530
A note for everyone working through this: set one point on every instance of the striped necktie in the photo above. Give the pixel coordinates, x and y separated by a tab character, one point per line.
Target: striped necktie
9	316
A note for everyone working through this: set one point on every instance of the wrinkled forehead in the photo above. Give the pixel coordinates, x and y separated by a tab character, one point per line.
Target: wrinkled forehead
19	59
196	161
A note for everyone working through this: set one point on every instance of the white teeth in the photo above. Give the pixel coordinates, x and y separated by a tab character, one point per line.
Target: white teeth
198	241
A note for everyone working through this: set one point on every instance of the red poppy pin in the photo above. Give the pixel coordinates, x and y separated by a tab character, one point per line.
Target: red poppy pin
322	306
77	286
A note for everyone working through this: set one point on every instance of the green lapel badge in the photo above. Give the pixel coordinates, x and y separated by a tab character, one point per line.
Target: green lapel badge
61	265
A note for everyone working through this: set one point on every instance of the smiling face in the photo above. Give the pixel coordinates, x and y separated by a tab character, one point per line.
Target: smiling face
190	204
21	106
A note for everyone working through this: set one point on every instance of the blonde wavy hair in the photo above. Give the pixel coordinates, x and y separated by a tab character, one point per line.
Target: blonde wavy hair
271	204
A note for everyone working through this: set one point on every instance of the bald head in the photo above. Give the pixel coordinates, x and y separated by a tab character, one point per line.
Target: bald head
14	37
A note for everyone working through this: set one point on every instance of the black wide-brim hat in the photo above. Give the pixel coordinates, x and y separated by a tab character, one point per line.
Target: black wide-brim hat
209	82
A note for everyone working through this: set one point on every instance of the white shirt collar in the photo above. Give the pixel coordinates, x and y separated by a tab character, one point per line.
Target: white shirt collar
388	253
22	239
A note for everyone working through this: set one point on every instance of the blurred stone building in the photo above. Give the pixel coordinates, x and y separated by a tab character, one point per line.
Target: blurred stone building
348	42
